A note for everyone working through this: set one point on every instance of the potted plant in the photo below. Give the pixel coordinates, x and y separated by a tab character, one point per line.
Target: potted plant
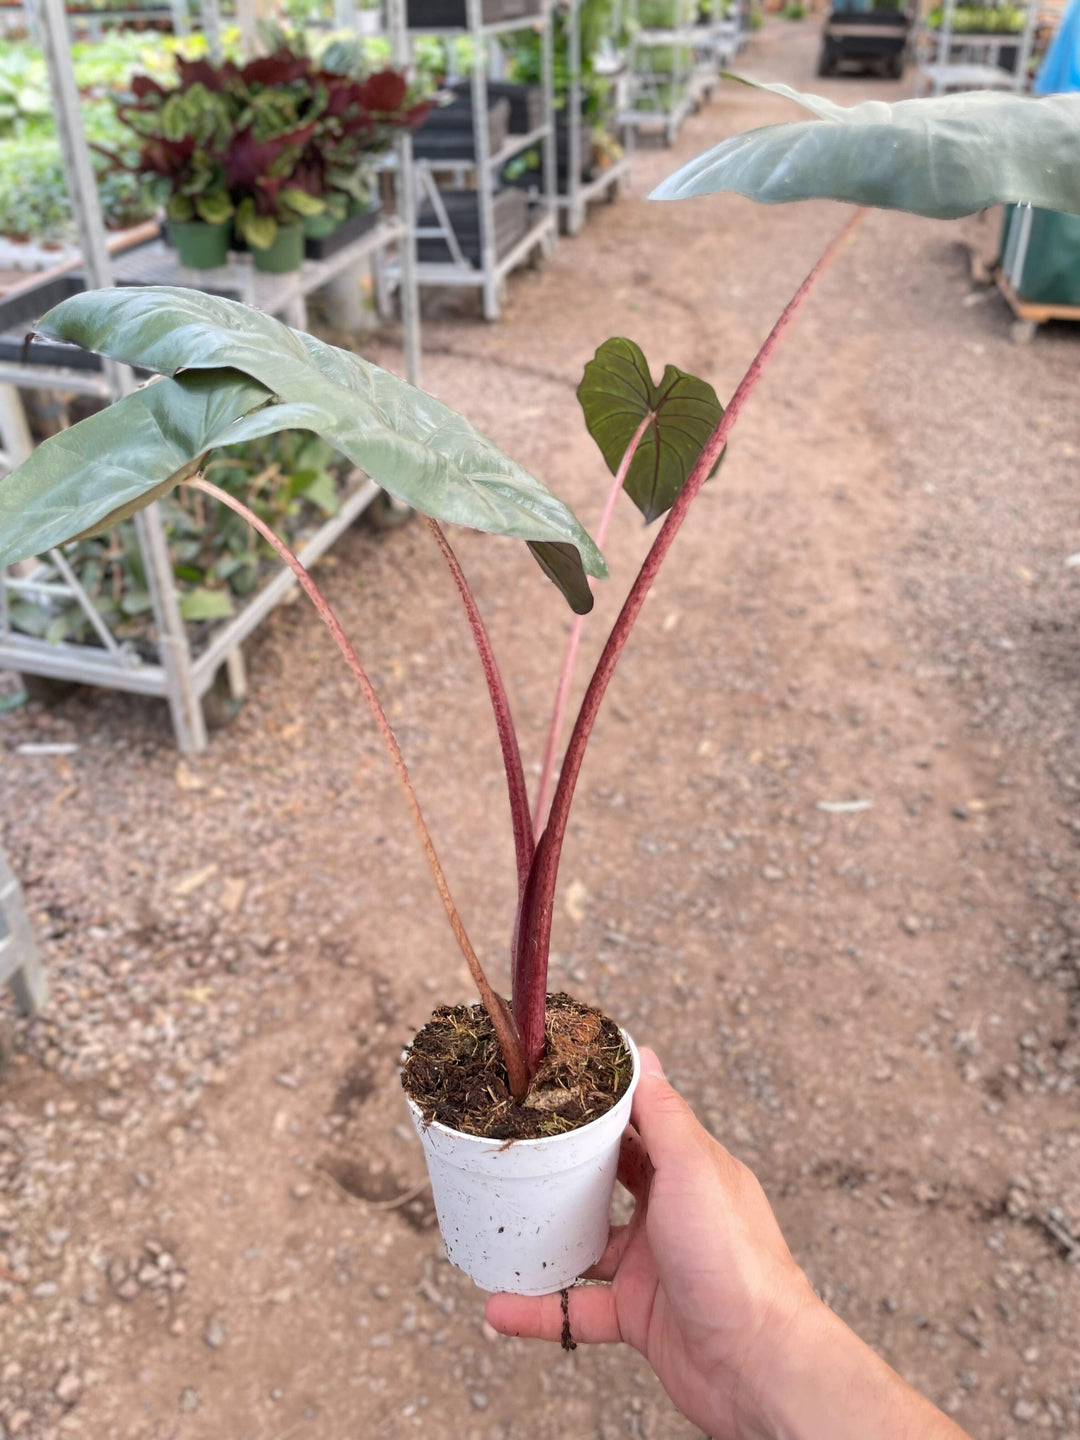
502	1091
185	134
360	114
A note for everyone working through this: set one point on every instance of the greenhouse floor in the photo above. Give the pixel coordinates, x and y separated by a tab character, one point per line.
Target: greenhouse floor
212	1214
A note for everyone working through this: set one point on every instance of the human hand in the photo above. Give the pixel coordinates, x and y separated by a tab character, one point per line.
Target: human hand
703	1285
701	1279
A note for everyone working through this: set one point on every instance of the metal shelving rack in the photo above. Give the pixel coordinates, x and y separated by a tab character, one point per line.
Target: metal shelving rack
540	238
580	192
945	73
648	84
178	676
731	32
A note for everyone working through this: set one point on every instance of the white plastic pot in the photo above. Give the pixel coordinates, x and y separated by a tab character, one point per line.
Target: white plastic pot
526	1216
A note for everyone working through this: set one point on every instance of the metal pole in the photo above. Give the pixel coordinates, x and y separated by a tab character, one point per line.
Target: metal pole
547	73
482	147
1026	44
405	194
189	724
210	10
78	171
944	45
14	432
575	218
181	18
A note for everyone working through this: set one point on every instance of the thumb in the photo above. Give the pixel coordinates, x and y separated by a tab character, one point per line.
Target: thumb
662	1117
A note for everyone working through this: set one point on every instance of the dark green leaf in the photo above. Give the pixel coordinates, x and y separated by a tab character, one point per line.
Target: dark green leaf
561	563
943	156
115	462
414	446
617	393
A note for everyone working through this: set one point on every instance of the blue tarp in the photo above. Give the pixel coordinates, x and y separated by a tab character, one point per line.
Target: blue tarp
1060	69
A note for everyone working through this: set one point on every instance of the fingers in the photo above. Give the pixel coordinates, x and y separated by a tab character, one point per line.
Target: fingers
591	1312
663	1119
605	1267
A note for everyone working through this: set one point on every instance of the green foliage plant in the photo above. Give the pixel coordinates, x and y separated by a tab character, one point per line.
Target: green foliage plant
980	19
270	142
231	374
292	480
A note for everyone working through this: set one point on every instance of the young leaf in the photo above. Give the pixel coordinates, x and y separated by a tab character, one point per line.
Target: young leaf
414	446
113	463
617	393
300	201
561	563
944	156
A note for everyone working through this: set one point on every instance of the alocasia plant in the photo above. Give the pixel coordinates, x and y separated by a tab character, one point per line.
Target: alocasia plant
232	374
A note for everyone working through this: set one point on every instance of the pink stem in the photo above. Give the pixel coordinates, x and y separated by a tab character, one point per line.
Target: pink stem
505	1027
511	751
566	674
531	961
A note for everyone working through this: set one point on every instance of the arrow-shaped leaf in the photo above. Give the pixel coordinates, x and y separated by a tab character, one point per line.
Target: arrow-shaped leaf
416	447
115	462
943	156
617	393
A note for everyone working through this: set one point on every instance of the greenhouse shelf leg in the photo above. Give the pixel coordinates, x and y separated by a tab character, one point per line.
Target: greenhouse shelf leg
236	673
551	152
181	18
405	195
482	145
410	292
295	313
15	438
347	304
184	704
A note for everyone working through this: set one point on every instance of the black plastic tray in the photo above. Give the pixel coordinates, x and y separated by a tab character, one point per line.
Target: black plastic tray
349	230
452	14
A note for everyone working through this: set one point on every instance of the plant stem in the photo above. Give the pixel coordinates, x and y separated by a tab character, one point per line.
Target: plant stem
495	1005
562	693
511	750
531	960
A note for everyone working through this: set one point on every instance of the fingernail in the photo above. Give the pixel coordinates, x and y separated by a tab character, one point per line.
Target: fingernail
650	1065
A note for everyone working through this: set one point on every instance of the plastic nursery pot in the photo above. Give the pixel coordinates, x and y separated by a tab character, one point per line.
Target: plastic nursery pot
285	254
527	1216
200	245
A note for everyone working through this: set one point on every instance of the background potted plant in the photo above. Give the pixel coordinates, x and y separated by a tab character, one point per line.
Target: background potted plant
499	1089
360	113
185	134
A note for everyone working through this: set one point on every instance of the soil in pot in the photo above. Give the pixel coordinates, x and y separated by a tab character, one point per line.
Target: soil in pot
285	254
454	1072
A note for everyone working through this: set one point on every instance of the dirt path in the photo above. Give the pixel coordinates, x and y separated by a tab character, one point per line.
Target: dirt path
205	1222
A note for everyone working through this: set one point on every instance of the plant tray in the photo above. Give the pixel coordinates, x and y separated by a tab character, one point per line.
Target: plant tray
462	208
349	230
25	309
453	14
526	103
50	353
447	133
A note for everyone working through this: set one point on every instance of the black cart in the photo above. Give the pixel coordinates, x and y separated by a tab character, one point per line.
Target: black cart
868	38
